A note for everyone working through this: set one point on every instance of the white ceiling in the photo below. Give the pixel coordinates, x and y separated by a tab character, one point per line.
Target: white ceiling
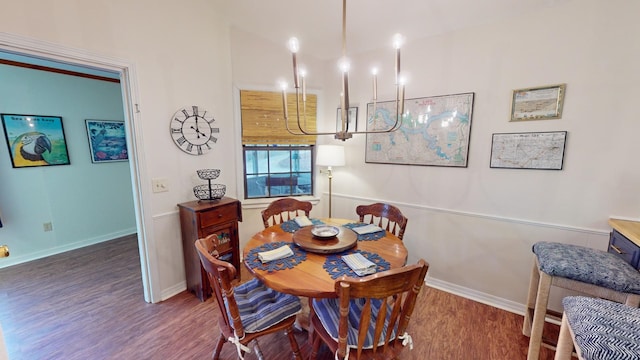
371	24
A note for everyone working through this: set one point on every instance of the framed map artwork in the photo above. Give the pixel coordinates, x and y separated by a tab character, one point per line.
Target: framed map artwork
531	150
539	103
435	131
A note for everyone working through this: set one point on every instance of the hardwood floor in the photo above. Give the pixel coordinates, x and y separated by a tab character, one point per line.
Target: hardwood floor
88	304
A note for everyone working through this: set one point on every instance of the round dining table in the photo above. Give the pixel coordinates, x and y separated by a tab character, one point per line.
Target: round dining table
309	276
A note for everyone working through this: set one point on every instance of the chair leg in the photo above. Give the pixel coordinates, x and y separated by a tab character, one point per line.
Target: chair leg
539	315
564	349
256	349
531	298
293	343
218	348
315	347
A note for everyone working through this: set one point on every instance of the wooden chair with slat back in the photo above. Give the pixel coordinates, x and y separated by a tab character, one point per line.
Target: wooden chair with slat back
385	216
284	209
249	310
383	304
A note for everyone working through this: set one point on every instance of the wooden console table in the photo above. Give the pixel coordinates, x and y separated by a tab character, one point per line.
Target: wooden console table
624	240
199	219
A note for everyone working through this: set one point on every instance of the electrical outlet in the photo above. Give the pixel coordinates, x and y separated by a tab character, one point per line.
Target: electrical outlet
159	185
47	226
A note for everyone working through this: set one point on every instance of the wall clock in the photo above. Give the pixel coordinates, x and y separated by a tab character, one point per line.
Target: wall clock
192	130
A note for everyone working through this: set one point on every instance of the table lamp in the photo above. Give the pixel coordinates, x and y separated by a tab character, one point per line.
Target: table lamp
329	156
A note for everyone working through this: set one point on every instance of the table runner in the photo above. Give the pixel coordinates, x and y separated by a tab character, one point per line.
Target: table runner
291	226
366	237
252	260
336	267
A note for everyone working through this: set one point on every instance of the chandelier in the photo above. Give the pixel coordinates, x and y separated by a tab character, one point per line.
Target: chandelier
301	97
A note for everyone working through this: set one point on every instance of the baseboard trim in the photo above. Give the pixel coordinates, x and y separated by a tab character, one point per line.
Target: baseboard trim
15	260
497	302
173	290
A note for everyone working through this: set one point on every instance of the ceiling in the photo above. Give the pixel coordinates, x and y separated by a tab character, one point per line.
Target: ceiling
371	24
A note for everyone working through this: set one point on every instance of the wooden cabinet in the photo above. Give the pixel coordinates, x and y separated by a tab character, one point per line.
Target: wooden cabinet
199	219
624	241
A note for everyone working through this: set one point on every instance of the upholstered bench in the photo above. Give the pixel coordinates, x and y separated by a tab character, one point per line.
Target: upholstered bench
599	329
589	271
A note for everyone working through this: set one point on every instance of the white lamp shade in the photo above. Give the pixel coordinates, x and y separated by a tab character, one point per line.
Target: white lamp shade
330	155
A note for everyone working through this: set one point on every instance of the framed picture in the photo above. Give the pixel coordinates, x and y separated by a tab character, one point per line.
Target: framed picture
107	140
352	119
35	140
531	150
435	131
539	103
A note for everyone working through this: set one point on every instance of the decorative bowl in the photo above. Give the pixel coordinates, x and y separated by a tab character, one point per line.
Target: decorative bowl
209	192
325	231
208	174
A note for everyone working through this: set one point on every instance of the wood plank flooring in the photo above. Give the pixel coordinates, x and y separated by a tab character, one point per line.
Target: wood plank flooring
88	304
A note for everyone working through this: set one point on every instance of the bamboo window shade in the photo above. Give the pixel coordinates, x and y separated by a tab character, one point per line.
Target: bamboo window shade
263	118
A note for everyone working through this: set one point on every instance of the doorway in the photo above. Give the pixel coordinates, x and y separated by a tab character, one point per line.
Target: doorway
125	72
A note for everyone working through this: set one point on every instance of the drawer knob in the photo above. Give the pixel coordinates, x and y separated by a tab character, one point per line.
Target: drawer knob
616	249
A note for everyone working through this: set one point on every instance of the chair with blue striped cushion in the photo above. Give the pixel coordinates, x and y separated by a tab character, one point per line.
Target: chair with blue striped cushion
588	271
598	329
370	315
248	310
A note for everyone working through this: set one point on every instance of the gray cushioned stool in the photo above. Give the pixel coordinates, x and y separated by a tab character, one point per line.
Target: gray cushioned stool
589	271
598	329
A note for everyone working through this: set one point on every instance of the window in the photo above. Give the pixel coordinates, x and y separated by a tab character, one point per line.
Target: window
278	170
276	163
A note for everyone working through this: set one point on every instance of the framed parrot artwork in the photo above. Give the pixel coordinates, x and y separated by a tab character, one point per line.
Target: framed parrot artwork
35	140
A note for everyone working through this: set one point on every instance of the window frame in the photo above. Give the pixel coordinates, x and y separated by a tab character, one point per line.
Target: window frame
268	185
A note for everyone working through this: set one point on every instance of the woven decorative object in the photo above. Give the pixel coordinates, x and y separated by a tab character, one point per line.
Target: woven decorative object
365	237
252	260
291	226
208	174
336	267
210	191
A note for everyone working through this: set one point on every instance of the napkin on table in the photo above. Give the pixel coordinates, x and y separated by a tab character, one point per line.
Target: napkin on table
367	229
359	264
303	221
282	252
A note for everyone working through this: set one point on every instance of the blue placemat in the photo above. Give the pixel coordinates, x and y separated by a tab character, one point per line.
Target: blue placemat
291	226
336	267
365	237
252	260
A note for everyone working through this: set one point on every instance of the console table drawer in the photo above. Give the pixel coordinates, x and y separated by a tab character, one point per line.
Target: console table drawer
624	248
225	213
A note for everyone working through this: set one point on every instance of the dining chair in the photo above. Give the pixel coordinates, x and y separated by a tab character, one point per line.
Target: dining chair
385	216
249	310
598	329
284	209
369	317
591	272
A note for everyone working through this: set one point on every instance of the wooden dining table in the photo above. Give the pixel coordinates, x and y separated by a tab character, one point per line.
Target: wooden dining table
310	278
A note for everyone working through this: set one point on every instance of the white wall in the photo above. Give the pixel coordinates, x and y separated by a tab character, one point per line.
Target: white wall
180	51
476	225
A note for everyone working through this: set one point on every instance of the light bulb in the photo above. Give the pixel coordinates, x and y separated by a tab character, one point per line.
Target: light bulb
294	46
374	71
397	41
302	71
344	65
283	85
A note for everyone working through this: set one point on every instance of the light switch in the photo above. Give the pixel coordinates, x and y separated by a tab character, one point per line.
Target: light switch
159	185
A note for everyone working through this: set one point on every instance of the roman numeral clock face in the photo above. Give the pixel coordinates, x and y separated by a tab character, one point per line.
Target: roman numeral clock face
193	131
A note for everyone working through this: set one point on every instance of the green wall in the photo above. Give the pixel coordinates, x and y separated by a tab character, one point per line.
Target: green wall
86	203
